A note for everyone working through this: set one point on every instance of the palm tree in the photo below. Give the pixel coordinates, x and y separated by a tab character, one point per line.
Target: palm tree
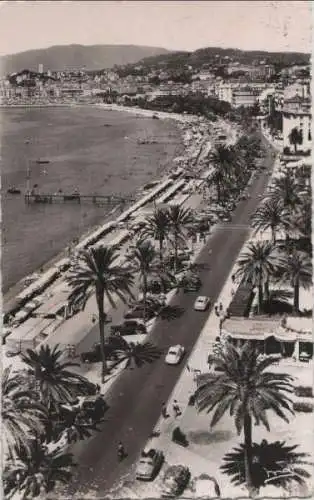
284	188
22	416
179	220
270	215
273	463
40	472
135	355
222	160
157	227
256	265
51	378
143	260
245	387
96	269
296	268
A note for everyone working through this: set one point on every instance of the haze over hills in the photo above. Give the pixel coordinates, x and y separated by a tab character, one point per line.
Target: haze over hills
93	57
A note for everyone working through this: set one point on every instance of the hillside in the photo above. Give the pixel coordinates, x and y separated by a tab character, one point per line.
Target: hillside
216	55
62	57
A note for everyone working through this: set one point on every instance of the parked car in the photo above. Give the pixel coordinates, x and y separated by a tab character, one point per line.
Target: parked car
175	480
190	282
137	312
94	354
90	407
149	464
174	355
152	308
129	327
226	218
201	303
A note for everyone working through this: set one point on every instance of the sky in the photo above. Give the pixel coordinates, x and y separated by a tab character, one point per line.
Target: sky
175	25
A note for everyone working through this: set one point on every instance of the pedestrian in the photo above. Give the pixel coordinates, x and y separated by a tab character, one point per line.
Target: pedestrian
221	307
164	412
233	278
188	368
176	409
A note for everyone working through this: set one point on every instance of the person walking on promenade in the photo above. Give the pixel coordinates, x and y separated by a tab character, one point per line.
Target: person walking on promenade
216	310
220	307
233	278
176	409
164	412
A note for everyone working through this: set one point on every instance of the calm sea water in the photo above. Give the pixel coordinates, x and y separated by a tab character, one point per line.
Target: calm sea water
90	149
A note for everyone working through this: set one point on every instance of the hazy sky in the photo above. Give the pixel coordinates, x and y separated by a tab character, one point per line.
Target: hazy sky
177	25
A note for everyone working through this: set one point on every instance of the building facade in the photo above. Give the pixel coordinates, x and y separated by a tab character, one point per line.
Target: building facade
297	115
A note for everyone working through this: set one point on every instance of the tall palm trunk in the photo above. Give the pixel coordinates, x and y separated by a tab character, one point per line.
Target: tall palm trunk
266	291
218	191
296	294
260	296
273	234
144	274
175	252
161	240
101	321
247	428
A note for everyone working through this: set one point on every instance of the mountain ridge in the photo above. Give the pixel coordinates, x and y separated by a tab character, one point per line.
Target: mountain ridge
77	56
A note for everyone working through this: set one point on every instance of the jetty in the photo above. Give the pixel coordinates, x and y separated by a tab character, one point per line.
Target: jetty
96	199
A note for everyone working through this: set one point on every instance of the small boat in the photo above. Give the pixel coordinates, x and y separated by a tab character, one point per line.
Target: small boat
13	190
27	141
42	162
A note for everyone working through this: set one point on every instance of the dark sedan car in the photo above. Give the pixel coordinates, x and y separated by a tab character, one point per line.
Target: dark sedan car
129	327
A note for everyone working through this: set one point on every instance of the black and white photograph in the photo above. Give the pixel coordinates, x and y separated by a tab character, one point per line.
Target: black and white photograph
156	257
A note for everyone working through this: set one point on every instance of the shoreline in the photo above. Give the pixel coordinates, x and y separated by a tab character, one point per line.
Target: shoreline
148	113
190	122
9	295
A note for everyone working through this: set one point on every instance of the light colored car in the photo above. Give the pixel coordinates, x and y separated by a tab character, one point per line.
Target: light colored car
174	354
175	480
149	464
201	303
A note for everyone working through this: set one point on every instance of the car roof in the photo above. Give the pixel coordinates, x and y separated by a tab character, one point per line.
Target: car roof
174	347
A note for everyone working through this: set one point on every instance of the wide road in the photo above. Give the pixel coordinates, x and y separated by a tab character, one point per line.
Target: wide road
136	397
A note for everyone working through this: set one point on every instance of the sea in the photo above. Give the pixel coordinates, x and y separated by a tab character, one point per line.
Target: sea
90	149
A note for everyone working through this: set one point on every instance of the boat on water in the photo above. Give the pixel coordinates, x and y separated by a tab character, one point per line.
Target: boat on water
13	190
42	162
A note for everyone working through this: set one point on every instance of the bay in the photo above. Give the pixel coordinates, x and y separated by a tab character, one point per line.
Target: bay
90	149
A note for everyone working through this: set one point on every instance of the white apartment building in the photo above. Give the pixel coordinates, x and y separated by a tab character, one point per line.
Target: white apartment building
224	91
300	89
297	114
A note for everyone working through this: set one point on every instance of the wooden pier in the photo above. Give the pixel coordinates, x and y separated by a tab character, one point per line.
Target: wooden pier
95	199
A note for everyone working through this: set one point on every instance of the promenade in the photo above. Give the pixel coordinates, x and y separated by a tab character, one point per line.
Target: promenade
136	397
